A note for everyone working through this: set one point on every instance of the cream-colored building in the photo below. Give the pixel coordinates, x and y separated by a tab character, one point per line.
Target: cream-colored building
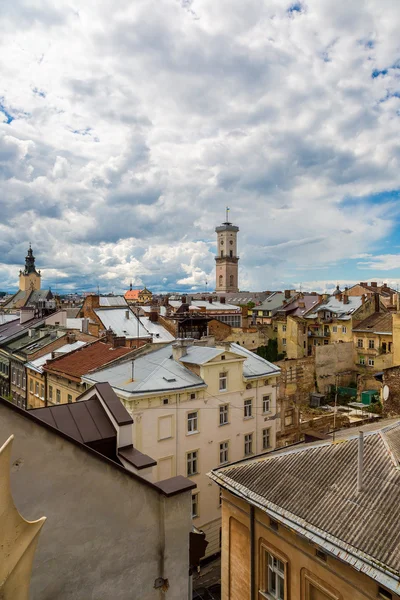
227	277
196	407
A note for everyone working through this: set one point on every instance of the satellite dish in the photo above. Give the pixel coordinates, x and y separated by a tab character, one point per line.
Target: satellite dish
385	392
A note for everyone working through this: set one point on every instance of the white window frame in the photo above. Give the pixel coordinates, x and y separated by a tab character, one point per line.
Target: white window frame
275	574
224	414
360	343
283	341
248	444
58	396
362	360
371	344
192	463
371	362
192	422
248	408
68	398
31	385
223	452
266	400
42	391
266	436
37	389
334	329
50	392
223	381
344	329
284	328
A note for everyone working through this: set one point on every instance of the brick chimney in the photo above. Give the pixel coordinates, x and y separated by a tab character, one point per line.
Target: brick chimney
183	299
153	316
222	300
180	346
363	299
374	284
376	301
71	338
210	300
345	298
110	335
118	341
287	294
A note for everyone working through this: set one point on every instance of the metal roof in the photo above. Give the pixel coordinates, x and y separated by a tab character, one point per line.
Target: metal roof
313	490
112	301
115	318
38	363
254	365
341	310
153	372
159	333
379	323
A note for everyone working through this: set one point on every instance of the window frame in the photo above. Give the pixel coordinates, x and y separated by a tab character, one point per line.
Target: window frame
195	502
193	461
223	412
249	442
223	381
360	343
248	408
371	344
344	329
284	340
192	422
266	399
266	432
265	551
224	452
371	362
58	396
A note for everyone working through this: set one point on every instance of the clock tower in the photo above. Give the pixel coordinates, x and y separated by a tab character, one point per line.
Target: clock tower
226	259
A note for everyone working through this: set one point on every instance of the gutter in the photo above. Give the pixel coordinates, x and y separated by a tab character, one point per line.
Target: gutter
341	550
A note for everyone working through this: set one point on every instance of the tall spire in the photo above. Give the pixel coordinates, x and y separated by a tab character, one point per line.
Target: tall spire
30	262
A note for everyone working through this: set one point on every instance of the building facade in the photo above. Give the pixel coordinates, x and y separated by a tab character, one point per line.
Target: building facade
195	407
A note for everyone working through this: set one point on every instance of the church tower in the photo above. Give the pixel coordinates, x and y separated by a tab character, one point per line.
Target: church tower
227	259
29	278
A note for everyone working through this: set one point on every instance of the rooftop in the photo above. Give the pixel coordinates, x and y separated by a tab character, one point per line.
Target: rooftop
338	307
122	321
313	490
301	305
83	360
376	323
112	301
157	331
38	364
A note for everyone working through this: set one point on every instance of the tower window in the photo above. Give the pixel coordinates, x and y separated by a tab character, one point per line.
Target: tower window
230	253
220	280
222	253
231	280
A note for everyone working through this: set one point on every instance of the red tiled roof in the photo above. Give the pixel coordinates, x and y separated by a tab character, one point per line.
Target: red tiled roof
85	359
132	294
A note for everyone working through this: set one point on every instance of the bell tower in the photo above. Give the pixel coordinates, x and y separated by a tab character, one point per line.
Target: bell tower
29	278
226	259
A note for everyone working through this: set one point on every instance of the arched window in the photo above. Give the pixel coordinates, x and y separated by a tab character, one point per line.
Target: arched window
231	280
230	253
220	280
222	253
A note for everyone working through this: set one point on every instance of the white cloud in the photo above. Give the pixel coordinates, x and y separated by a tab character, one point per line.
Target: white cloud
126	129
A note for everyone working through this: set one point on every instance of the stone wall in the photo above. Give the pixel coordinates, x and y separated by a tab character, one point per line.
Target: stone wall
331	360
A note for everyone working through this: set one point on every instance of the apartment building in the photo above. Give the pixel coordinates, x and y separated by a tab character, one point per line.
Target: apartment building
316	522
195	407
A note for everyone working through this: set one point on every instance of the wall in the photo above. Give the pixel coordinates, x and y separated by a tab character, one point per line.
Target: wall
330	360
35	400
66	387
338	580
396	338
391	378
29	282
151	417
91	545
296	338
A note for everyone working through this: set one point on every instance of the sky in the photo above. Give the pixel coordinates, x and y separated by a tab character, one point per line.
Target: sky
126	128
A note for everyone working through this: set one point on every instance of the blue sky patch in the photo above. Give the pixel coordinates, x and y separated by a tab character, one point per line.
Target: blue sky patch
9	117
377	72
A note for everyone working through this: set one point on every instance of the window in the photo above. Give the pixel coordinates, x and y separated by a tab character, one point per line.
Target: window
50	392
223	452
284	328
19	378
248	408
344	329
192	422
220	497
58	396
382	593
223	357
321	555
274	578
23	381
288	418
371	344
362	360
248	444
283	341
266	404
223	414
371	362
69	399
266	439
193	396
36	389
31	386
13	376
165	401
191	463
195	505
231	254
360	343
334	329
223	382
42	391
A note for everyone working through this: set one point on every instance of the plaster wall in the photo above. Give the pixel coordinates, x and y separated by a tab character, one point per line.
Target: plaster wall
93	546
330	360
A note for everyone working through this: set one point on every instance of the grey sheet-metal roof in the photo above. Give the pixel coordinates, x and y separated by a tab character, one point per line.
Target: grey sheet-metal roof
158	332
272	303
214	305
200	355
313	490
153	372
117	320
334	305
254	365
112	301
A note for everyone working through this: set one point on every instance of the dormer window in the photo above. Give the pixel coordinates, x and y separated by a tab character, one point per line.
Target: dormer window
223	357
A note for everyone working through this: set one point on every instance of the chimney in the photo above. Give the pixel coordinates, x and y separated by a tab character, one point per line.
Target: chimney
26	314
287	294
374	284
360	461
153	316
210	300
339	296
127	314
363	299
183	299
85	325
222	300
71	338
376	301
179	348
118	341
110	335
345	298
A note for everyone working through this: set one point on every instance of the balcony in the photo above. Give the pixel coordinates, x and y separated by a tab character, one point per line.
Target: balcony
322	333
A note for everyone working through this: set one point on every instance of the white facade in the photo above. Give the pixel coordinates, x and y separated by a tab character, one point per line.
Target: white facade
226	409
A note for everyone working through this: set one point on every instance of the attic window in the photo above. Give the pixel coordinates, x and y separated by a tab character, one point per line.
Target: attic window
273	524
165	401
321	555
223	357
169	379
248	386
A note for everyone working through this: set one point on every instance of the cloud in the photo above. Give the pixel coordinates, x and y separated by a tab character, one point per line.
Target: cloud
125	131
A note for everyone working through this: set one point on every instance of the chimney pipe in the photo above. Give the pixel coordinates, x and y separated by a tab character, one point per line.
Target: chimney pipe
360	461
127	314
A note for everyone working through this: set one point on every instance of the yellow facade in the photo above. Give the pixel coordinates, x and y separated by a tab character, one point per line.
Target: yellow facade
308	572
36	389
60	390
29	282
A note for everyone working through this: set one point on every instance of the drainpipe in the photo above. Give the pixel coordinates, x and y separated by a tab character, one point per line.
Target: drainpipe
360	462
252	555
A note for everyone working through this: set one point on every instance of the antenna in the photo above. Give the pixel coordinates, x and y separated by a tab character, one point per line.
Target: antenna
227	214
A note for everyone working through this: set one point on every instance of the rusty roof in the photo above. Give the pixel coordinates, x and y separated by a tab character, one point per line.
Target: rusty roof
376	323
81	361
313	489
